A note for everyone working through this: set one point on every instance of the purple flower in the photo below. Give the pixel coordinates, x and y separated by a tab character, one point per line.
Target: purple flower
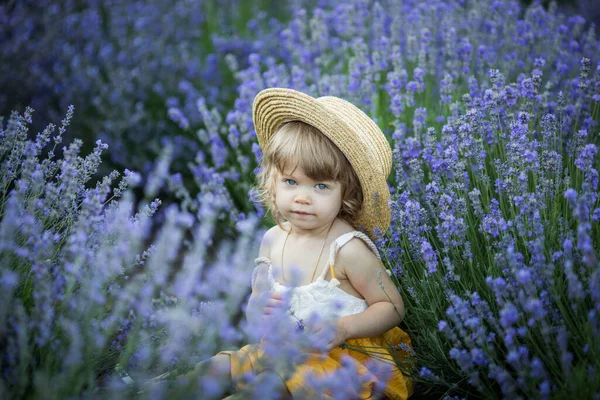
177	116
509	315
419	120
585	161
429	256
413	87
8	280
571	195
596	215
426	373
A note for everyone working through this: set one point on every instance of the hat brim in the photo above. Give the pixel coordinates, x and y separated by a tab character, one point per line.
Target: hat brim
345	125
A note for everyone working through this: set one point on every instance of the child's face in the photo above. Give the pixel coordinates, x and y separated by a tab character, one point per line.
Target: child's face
305	203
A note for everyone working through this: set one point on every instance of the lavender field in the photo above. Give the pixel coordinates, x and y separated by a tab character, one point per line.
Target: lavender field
129	223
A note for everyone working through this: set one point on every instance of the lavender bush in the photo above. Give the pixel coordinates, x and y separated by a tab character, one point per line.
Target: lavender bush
126	64
502	210
85	285
492	112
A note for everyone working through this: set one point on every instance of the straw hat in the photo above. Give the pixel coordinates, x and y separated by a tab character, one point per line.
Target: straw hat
350	129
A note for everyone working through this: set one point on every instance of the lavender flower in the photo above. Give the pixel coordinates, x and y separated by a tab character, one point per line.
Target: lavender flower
429	256
511	136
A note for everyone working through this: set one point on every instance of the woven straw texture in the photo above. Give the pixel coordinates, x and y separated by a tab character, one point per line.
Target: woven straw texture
350	129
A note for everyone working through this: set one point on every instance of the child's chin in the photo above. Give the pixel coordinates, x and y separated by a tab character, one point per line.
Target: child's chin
303	221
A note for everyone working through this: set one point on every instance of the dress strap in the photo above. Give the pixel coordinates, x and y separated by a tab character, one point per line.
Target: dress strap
258	261
338	243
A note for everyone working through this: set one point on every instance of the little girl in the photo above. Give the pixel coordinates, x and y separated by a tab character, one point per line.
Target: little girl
323	176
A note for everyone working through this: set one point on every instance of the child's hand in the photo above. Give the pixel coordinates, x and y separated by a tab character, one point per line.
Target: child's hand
272	311
273	302
328	335
264	313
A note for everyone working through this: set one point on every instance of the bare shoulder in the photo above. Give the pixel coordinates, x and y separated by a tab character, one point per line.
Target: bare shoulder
267	241
356	254
364	272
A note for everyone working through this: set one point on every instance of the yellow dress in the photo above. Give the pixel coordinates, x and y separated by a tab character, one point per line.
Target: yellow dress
389	348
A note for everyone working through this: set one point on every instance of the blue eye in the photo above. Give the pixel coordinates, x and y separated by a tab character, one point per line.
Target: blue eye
290	182
324	186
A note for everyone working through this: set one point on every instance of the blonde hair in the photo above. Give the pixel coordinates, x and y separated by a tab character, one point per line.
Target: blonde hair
297	144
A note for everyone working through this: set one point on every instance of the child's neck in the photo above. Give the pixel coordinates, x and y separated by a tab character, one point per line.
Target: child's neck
311	234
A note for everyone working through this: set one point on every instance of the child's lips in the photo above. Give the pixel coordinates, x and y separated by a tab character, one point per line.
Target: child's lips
300	213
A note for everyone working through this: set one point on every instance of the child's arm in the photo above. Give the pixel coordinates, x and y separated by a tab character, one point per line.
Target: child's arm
254	309
361	268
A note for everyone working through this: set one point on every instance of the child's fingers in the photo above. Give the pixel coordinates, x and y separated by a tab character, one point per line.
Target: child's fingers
320	344
273	304
321	327
317	331
270	296
270	310
324	337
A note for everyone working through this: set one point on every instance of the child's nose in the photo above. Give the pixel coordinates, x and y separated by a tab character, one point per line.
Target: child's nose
303	197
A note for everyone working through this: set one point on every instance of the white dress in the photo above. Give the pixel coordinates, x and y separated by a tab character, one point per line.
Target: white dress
327	300
321	297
